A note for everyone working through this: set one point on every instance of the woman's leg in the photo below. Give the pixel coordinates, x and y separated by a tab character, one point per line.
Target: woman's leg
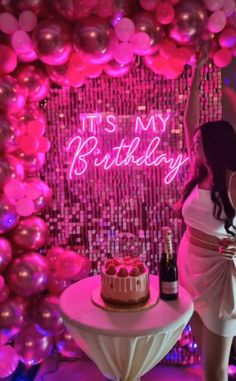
197	328
215	355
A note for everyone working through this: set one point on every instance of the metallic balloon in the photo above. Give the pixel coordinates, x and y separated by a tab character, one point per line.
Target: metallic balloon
13	312
5	253
29	274
66	345
8	215
37	6
45	198
31	163
34	80
57	285
10	168
51	39
58	74
10	131
115	70
47	316
123	8
12	97
72	9
190	21
92	34
30	234
31	347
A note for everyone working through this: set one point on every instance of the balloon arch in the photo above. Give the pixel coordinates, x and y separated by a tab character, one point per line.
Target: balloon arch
64	42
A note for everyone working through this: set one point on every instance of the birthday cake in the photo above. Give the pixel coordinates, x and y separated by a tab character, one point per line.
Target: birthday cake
125	281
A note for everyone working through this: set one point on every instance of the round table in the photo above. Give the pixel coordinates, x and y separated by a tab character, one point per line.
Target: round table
124	345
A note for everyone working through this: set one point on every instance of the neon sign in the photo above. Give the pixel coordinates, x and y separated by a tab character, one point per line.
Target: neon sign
130	151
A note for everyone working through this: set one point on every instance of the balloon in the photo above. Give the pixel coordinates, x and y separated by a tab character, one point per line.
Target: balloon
85	268
29	56
35	128
44	144
8	60
124	53
92	35
51	40
30	234
104	8
36	6
222	57
57	285
29	274
41	200
31	347
4	293
9	360
216	22
66	345
58	74
2	281
32	114
68	264
10	131
168	49
148	5
33	188
12	98
122	8
31	163
93	71
165	13
8	216
21	42
228	7
13	312
115	70
214	5
189	23
34	81
29	144
27	21
146	22
10	168
47	316
8	23
5	253
53	254
124	29
72	10
25	207
227	38
140	42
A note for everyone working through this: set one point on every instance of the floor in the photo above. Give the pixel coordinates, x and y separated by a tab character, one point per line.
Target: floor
85	370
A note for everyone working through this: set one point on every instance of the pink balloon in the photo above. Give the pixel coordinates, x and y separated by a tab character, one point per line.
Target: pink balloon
44	144
28	56
124	53
51	40
8	215
25	207
57	285
14	189
13	312
8	23
36	6
93	71
2	281
76	78
85	269
12	98
214	5
72	10
29	274
104	8
222	57
10	168
44	200
31	347
33	188
66	345
148	5
30	234
9	360
21	42
228	7
29	144
216	22
141	42
168	49
31	163
47	316
53	254
227	38
35	128
124	29
8	59
115	70
5	253
165	13
32	113
34	81
58	74
10	132
4	293
68	265
27	21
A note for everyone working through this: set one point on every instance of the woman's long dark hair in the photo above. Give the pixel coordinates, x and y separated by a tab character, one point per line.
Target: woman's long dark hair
219	145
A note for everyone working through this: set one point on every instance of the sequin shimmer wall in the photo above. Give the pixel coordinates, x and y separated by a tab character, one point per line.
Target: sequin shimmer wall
105	211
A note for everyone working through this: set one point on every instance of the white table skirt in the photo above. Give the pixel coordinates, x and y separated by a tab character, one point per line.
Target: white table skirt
123	345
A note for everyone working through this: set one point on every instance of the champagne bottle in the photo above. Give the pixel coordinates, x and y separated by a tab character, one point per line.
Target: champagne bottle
168	273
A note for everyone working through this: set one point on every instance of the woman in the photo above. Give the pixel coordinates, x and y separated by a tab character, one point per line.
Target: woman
207	251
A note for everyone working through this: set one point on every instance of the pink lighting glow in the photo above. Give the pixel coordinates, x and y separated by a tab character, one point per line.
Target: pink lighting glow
88	150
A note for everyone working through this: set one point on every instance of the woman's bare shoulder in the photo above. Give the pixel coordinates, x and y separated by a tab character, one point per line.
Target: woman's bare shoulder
232	187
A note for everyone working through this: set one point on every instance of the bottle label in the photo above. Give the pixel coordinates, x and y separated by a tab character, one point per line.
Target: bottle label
169	287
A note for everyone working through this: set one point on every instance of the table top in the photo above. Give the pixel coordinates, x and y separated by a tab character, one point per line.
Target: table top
78	309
